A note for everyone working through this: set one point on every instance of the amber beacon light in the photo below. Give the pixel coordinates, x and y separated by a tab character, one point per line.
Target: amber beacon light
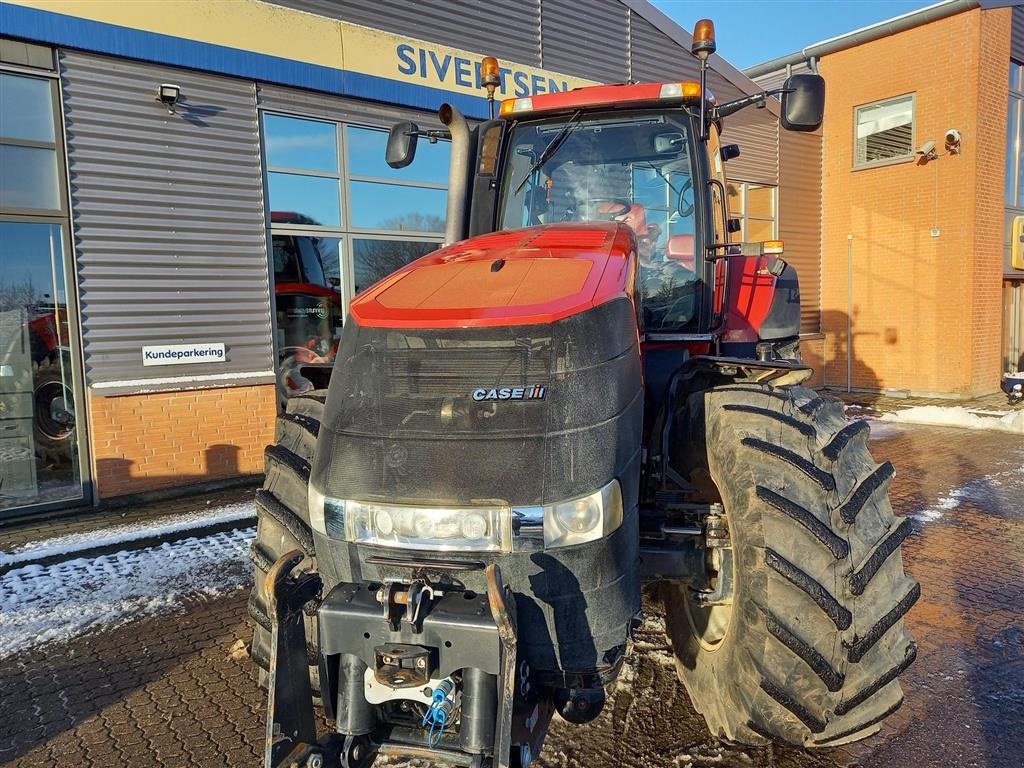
703	39
490	78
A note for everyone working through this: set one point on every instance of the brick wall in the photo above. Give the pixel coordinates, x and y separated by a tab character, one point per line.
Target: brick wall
154	441
925	310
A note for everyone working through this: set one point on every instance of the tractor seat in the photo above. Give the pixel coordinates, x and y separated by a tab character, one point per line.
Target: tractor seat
680	249
636	219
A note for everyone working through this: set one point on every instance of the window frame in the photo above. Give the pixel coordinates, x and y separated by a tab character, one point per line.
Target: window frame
57	145
62	218
907	158
1013	186
744	213
346	232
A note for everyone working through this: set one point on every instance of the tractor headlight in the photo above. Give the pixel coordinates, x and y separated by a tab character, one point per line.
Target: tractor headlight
441	529
316	510
486	528
583	519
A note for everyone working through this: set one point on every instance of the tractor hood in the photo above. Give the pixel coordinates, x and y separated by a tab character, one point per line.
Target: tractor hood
519	277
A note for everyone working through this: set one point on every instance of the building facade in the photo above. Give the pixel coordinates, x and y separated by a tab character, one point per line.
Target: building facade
191	194
922	179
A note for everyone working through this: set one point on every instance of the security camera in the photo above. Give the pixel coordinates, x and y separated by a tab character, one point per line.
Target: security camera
953	141
927	149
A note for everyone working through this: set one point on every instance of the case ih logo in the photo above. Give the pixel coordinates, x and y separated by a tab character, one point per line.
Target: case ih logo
535	392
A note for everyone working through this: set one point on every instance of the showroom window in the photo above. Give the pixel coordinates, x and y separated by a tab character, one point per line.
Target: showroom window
40	440
1015	138
884	132
340	220
754	205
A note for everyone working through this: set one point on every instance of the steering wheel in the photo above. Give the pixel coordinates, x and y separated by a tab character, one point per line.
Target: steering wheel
684	207
616	207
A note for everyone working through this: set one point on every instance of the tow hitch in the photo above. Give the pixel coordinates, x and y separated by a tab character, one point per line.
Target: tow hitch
388	656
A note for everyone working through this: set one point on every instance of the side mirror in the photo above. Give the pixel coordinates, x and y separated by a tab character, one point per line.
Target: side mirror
730	151
803	102
402	144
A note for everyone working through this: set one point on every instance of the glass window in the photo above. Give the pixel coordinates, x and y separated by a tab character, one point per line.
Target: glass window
885	131
320	255
26	109
1015	138
366	148
39	459
754	206
309	145
394	207
28	178
308	200
376	259
633	168
307	304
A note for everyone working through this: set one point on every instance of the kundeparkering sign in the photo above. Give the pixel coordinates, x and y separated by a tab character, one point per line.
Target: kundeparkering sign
183	354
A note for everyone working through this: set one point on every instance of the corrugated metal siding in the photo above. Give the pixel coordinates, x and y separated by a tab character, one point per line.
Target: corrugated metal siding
775	79
586	38
757	133
1017	35
297	102
507	30
655	57
168	219
800	217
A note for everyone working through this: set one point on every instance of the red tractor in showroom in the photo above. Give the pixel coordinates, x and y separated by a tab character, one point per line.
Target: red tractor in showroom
589	389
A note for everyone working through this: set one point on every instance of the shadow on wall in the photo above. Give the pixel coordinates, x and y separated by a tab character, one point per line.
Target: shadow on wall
844	370
115	476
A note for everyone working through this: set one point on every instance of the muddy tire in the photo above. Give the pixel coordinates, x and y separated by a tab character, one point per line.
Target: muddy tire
282	513
809	651
53	423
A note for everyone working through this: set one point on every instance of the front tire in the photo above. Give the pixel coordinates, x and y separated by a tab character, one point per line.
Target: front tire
809	651
282	514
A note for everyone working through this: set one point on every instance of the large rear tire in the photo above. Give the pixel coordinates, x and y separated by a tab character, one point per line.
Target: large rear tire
809	650
53	409
282	514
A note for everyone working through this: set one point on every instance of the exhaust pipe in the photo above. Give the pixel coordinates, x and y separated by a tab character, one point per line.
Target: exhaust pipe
458	173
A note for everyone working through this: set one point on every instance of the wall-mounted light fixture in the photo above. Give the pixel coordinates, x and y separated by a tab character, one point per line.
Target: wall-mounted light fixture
168	94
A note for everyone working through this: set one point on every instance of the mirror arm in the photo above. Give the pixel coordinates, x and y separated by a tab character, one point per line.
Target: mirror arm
433	136
758	98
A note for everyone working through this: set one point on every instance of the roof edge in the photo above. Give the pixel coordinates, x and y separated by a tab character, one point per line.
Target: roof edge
681	37
867	34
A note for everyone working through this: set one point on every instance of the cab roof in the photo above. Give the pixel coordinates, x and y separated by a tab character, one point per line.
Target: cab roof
610	96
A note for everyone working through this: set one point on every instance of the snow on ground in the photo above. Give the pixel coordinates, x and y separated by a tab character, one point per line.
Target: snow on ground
40	604
999	492
957	416
128	532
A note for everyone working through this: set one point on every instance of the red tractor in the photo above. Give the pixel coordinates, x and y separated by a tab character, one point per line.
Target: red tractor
307	303
589	389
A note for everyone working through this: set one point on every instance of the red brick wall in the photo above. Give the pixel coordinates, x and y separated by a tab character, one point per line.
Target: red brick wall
156	441
926	310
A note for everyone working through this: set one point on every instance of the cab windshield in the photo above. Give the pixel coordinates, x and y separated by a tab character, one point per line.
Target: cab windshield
632	167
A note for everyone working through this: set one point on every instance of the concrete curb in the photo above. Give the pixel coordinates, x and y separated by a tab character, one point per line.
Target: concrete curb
143	542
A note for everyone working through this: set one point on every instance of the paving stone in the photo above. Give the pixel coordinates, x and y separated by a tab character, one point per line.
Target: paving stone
162	692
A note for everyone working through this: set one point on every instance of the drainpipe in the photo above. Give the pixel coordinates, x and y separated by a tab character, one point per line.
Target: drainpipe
849	312
458	173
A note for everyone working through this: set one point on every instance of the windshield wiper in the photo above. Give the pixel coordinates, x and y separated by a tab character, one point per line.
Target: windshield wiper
551	148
